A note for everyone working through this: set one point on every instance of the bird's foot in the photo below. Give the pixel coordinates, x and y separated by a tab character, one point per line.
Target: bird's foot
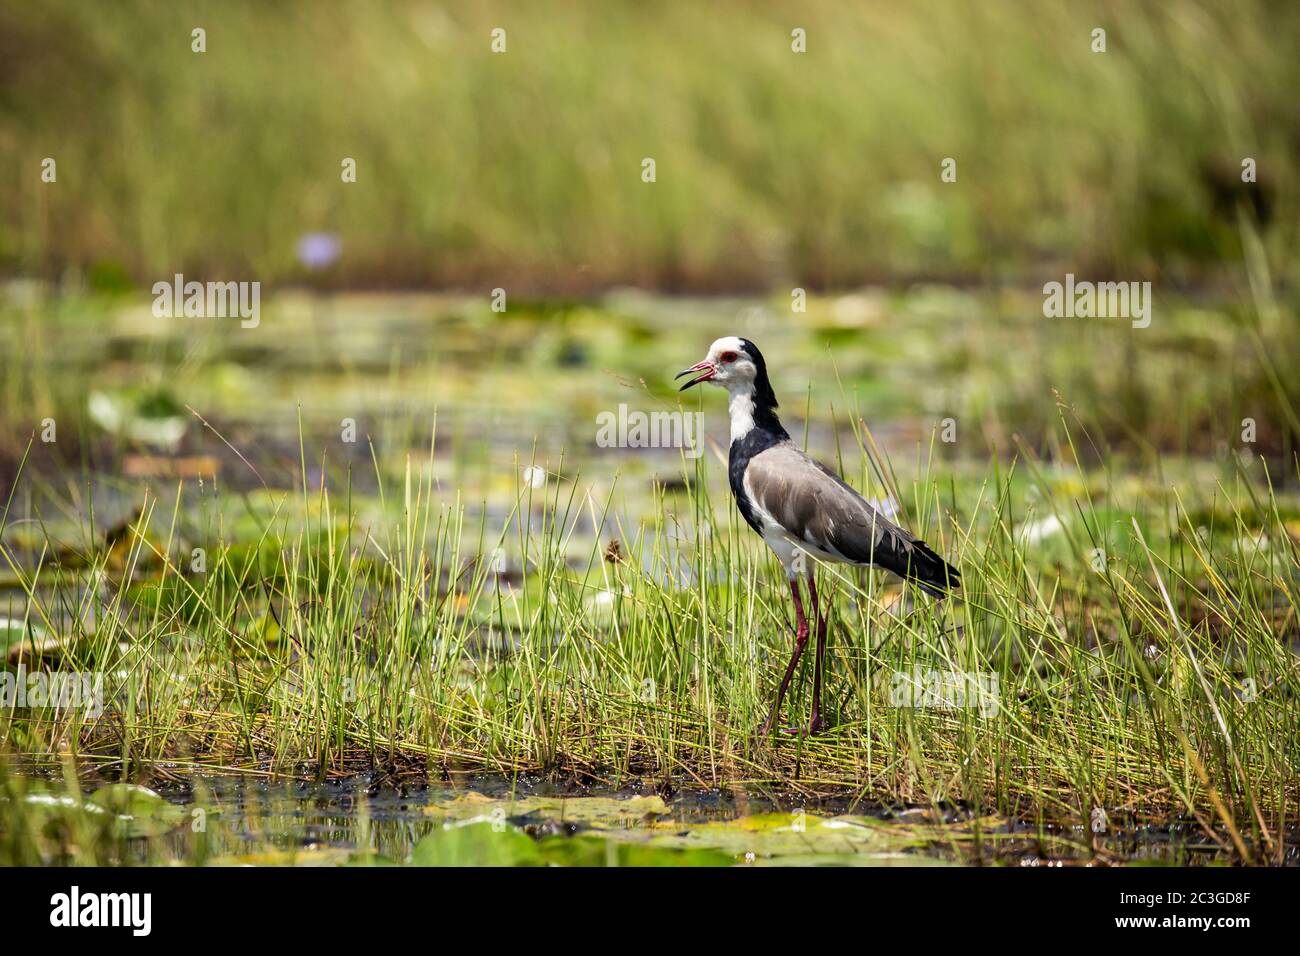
816	726
764	732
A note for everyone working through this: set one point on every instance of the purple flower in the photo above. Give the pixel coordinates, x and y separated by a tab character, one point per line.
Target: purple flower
316	250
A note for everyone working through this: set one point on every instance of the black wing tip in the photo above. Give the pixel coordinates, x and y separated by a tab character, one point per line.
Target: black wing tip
937	589
932	573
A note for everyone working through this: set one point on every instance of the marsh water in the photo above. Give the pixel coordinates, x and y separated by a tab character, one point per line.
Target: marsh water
757	826
250	820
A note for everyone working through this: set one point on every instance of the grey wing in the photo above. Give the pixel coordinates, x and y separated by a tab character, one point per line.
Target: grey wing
817	507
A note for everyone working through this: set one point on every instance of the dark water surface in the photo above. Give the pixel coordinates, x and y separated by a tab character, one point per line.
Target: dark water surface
253	820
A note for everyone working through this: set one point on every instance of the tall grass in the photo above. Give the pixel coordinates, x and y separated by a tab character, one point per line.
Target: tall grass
1142	652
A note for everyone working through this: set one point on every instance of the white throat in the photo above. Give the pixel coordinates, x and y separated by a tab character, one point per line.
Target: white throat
741	407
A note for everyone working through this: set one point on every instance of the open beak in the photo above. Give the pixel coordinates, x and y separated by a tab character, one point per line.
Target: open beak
706	367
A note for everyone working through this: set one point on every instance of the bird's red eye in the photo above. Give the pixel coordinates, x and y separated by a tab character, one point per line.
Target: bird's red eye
728	356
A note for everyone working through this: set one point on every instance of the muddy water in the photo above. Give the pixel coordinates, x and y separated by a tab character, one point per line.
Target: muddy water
251	820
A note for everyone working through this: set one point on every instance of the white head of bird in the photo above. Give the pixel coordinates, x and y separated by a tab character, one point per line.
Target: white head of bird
728	363
737	365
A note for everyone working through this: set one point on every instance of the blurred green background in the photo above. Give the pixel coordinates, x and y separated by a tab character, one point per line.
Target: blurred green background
523	169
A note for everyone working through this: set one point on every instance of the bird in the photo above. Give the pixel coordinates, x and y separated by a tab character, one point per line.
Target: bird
801	508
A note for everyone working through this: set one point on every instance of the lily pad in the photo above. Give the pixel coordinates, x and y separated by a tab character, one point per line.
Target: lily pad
24	640
12	631
153	417
263	628
593	850
476	844
593	812
56	812
367	858
140	811
309	856
57	804
773	835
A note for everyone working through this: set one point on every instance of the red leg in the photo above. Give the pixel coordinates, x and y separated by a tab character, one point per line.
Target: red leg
800	639
816	723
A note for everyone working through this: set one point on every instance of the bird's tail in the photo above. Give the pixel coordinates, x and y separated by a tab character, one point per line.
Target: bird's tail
930	572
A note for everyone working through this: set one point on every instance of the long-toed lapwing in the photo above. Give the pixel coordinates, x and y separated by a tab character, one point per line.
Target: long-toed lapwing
800	507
